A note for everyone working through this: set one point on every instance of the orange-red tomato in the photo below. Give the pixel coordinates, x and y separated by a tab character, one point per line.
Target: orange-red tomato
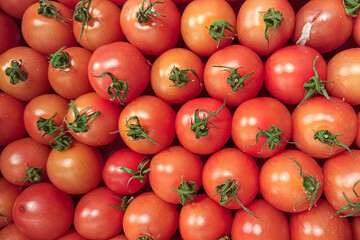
9	193
11	36
71	234
12	232
355	223
15	8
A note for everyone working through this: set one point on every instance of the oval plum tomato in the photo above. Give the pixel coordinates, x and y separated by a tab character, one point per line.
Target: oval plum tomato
235	70
23	162
71	234
150	216
322	128
152	27
231	178
99	214
272	223
291	181
118	72
322	25
11	36
23	73
67	72
355	223
15	8
12	232
44	113
146	124
96	23
265	26
177	75
76	170
204	219
318	223
289	68
125	171
43	212
261	127
46	27
11	119
9	193
207	26
175	175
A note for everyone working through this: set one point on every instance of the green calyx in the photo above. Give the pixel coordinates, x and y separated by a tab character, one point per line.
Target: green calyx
143	169
235	80
217	31
351	7
227	191
60	59
62	142
82	14
82	118
225	238
325	136
136	131
33	175
116	88
125	201
272	19
47	9
186	191
180	78
351	206
47	125
144	15
15	72
5	218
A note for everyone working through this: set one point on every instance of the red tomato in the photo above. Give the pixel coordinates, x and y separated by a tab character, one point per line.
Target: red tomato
177	75
146	124
158	219
11	36
69	3
119	237
152	27
272	223
357	138
15	8
71	234
23	73
202	17
261	127
355	223
318	114
204	219
12	232
43	212
175	168
235	70
9	193
124	62
265	26
289	68
356	30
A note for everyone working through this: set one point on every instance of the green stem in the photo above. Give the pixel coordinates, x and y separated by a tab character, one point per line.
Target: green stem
351	206
117	87
272	19
47	9
60	59
235	80
143	169
136	131
62	141
217	31
5	218
351	7
82	118
186	191
82	14
47	125
326	137
144	15
33	175
225	238
180	78
15	72
125	201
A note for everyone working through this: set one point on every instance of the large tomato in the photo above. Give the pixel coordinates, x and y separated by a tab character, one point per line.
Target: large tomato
9	193
11	36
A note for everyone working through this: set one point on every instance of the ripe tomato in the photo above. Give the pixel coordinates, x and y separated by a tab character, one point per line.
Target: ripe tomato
313	117
265	26
355	223
356	30
235	70
9	193
119	237
69	3
12	232
11	33
15	8
152	27
177	75
261	127
200	18
71	234
357	138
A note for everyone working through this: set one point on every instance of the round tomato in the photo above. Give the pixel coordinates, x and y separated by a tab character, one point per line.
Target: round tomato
9	193
11	33
15	8
12	232
119	237
71	234
357	138
356	30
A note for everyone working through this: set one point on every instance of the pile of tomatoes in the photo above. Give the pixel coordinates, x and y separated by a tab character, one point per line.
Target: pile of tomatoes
204	119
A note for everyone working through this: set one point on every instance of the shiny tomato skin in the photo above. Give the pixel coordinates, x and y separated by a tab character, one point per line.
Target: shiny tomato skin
9	193
12	232
11	33
15	8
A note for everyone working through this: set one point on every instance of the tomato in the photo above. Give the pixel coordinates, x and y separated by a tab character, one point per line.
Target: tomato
15	8
12	232
76	170
119	237
318	224
152	27
203	125
261	127
68	74
43	212
96	215
126	64
148	215
102	26
9	193
126	182
231	178
177	75
11	119
272	223
235	70
289	68
71	234
356	31
46	27
265	36
23	73
356	227
322	25
23	162
357	138
146	124
172	169
204	219
318	114
200	18
69	3
12	36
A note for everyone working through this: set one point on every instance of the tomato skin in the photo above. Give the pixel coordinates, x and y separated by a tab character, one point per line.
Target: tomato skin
12	232
289	68
151	38
161	71
356	31
251	26
272	223
11	33
231	163
356	227
169	167
201	14
69	3
71	234
15	8
119	237
204	219
9	193
215	78
43	212
357	138
319	113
